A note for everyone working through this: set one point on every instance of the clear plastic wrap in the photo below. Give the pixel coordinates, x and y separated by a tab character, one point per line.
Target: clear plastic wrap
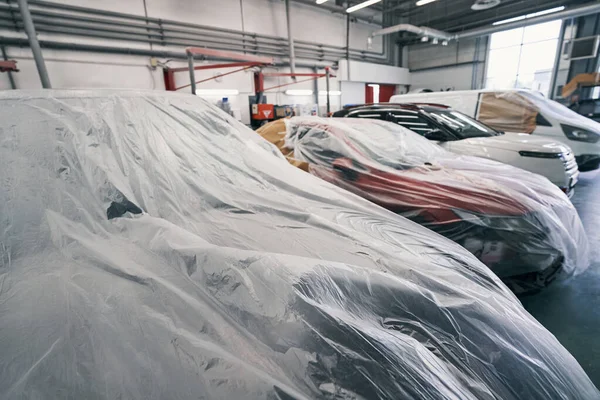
152	247
517	223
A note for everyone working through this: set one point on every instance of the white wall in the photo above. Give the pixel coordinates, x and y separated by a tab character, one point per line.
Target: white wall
441	67
454	78
352	93
356	71
70	69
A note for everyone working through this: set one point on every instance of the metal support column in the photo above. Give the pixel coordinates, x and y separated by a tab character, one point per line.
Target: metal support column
192	73
327	73
290	38
11	78
316	87
348	37
557	58
34	44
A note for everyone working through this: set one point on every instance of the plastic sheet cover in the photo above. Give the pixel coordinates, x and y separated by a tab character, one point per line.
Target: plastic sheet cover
518	223
152	247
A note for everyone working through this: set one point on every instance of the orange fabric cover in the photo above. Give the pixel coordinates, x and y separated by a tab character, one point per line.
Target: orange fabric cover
508	112
581	80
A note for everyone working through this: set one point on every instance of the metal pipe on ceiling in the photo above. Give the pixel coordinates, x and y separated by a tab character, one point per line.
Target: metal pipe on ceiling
418	30
34	44
165	23
48	44
142	31
288	18
163	37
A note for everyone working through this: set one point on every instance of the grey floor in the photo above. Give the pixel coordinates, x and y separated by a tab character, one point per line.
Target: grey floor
571	310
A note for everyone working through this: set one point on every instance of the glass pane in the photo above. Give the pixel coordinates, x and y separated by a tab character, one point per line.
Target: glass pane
507	38
540	32
537	57
504	83
503	63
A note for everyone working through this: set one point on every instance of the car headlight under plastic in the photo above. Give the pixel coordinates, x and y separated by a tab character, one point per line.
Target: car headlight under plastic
580	134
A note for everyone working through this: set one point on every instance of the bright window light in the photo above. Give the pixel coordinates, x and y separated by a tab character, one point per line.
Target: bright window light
217	92
532	15
298	92
362	5
331	93
423	2
376	88
321	1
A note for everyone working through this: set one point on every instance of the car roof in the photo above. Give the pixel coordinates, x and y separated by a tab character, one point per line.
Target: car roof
402	106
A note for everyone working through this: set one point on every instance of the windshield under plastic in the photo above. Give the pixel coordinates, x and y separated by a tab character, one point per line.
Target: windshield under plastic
462	126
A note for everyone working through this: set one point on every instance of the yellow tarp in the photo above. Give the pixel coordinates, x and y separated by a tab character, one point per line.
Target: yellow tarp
274	132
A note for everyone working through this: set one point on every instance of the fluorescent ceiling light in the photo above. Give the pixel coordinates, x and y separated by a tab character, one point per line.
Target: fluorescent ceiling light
217	92
321	1
532	15
331	93
423	2
299	92
362	5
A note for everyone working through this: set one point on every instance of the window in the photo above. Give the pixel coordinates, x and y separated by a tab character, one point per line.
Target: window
523	57
413	121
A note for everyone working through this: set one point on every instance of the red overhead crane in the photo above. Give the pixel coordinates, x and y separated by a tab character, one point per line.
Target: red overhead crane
241	62
8	65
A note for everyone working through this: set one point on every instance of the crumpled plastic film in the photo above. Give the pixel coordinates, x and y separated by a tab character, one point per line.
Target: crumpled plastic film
222	272
517	223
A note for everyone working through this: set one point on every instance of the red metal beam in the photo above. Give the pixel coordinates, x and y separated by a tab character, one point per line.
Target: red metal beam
292	83
216	76
217	66
292	75
259	82
228	55
169	77
9	65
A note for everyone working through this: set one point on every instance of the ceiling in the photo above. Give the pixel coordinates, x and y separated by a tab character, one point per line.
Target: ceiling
456	15
447	15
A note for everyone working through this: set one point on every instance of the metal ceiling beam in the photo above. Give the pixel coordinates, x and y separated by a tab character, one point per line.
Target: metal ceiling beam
480	18
568	13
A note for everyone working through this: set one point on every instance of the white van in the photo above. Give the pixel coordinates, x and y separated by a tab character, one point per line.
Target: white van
523	111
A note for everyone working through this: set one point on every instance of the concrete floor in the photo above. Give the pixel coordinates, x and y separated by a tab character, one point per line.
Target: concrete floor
571	310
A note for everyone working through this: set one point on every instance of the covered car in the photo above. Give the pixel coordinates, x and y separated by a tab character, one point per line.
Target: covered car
152	247
517	223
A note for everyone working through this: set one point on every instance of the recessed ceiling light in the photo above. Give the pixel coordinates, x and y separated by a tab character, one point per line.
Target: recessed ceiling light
532	15
423	2
321	1
298	92
217	92
362	5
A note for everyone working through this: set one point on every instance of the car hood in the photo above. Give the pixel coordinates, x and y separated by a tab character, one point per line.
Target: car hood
515	142
152	247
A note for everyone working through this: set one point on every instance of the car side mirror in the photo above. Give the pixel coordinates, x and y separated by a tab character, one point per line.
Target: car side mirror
436	135
346	168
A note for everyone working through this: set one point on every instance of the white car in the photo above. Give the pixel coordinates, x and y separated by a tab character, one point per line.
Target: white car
523	111
461	134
